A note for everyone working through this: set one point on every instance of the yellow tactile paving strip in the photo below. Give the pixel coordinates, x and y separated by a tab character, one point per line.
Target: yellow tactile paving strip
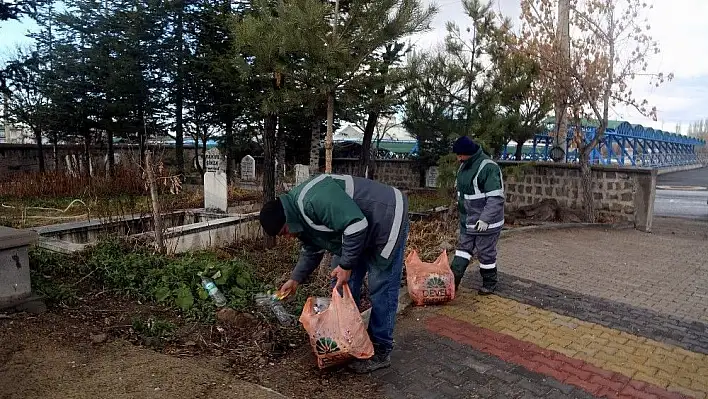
638	358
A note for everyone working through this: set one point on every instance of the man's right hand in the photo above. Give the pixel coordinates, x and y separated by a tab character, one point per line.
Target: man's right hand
288	289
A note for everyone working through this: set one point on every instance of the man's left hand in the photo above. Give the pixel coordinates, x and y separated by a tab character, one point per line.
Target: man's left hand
481	226
341	275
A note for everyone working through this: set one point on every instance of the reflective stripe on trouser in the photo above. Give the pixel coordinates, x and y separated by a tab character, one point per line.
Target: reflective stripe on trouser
483	247
383	286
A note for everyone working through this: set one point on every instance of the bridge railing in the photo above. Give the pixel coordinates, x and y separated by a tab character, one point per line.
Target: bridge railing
626	144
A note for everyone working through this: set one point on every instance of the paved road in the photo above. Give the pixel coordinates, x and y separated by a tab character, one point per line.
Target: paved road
683	194
677	203
696	177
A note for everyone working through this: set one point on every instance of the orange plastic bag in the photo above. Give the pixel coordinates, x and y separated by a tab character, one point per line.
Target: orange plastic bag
429	283
338	333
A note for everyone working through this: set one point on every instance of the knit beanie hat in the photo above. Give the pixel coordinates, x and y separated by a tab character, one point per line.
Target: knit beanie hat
272	217
465	146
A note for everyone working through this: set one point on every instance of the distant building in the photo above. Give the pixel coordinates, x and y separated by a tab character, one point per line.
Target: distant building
14	134
389	135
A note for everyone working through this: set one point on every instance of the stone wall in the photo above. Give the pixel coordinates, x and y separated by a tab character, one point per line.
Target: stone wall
23	158
621	194
401	173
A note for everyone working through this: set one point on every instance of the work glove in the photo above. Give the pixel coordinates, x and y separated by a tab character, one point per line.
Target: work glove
481	226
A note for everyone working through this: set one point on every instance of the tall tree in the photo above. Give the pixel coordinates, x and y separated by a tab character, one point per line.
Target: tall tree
179	50
27	103
453	91
468	57
524	98
431	113
378	93
272	42
364	27
598	74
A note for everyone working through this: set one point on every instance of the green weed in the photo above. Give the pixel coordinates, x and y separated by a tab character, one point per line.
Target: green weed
137	272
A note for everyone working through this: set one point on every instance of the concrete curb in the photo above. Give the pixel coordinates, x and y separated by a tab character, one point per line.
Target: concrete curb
663	171
564	226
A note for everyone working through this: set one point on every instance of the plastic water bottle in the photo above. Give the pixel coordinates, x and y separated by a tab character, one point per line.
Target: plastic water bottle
273	303
280	313
321	304
213	290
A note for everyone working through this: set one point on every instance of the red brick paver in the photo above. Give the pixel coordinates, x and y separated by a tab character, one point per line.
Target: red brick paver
571	371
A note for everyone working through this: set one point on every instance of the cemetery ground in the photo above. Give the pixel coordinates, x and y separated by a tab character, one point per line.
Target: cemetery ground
120	307
579	313
126	322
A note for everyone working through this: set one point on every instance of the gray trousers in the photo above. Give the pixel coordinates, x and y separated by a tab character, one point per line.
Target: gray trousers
482	247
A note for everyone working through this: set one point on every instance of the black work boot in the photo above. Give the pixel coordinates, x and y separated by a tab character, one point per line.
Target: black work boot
489	281
459	265
378	361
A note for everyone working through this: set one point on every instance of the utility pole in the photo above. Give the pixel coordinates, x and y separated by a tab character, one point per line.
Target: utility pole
561	92
329	136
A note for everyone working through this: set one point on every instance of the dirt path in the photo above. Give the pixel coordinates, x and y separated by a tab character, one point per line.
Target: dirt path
40	368
53	356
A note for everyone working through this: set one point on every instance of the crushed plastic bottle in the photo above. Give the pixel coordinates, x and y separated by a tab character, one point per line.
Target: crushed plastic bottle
320	304
213	290
273	302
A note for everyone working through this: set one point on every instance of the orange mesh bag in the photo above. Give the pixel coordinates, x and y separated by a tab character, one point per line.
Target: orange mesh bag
338	333
429	283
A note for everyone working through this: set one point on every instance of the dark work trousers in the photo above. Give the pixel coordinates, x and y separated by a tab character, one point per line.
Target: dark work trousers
484	248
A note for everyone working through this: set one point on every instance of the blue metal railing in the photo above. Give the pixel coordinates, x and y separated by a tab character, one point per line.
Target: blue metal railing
630	145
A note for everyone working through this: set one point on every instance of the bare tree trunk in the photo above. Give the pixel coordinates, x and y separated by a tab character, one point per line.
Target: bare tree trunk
280	173
519	152
40	149
197	158
87	153
563	54
157	217
269	167
365	156
329	144
55	152
586	184
315	147
229	138
111	153
179	95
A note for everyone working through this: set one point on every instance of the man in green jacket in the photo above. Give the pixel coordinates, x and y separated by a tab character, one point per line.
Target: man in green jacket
364	224
480	201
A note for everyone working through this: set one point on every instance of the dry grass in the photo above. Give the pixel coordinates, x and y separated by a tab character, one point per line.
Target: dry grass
420	201
430	237
127	180
32	212
237	194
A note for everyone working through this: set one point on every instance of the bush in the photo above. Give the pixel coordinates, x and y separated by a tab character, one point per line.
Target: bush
141	274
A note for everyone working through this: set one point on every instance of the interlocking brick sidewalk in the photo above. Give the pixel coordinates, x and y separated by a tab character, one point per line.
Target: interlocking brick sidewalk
664	272
539	338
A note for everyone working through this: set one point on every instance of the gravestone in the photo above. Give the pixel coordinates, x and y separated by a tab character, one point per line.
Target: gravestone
431	177
15	284
302	173
248	168
216	190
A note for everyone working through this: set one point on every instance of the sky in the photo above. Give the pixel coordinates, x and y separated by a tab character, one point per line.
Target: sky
678	25
682	32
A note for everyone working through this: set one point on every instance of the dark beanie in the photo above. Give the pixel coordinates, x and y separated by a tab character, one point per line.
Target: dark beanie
272	217
465	146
